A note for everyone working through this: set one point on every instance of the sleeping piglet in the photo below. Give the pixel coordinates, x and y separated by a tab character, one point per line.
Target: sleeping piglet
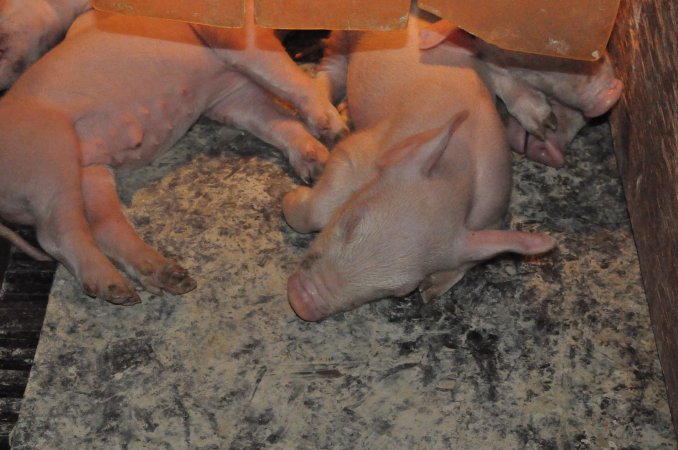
549	98
118	91
413	198
28	28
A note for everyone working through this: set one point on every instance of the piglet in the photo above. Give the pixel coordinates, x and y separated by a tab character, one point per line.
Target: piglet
413	198
28	28
118	91
550	98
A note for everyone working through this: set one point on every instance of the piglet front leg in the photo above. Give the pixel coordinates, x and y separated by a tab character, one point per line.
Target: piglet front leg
530	107
307	210
47	192
258	54
253	109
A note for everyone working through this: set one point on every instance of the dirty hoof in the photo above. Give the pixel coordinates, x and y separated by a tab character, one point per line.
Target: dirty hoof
309	162
176	280
335	130
327	123
117	293
551	122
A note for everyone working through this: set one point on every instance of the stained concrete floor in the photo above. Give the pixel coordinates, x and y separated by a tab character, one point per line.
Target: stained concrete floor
552	352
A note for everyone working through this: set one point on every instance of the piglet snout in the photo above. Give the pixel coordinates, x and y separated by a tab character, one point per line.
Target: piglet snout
304	298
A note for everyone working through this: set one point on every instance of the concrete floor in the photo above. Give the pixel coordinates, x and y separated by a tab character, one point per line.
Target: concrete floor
555	352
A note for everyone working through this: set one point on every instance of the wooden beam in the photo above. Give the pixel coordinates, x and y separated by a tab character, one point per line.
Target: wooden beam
644	45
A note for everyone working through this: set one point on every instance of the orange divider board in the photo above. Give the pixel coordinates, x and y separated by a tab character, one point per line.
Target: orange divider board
290	14
333	14
576	29
222	13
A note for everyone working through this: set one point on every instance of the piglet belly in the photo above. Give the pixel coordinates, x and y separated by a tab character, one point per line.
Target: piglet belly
134	133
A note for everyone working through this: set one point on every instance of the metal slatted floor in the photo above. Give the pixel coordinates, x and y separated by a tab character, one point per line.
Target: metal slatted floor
24	289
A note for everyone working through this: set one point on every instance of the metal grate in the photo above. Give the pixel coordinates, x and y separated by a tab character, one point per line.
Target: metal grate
24	289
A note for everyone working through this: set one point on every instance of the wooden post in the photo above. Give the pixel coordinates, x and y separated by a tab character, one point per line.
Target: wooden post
644	124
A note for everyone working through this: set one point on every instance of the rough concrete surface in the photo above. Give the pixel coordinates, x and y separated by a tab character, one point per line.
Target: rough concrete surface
550	352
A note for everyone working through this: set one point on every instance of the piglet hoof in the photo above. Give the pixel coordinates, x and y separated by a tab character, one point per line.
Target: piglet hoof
335	135
117	293
547	124
309	161
328	124
551	122
176	280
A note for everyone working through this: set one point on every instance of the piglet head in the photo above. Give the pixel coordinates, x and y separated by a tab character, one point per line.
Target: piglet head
401	230
587	86
375	244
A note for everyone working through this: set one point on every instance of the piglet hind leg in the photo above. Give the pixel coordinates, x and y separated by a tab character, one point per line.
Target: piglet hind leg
116	237
44	179
255	110
65	234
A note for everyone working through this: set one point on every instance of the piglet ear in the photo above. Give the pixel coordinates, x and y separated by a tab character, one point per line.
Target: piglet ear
434	34
444	31
485	244
421	152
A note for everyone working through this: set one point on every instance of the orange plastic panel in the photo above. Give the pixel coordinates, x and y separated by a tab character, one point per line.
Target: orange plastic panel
223	13
576	29
332	14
